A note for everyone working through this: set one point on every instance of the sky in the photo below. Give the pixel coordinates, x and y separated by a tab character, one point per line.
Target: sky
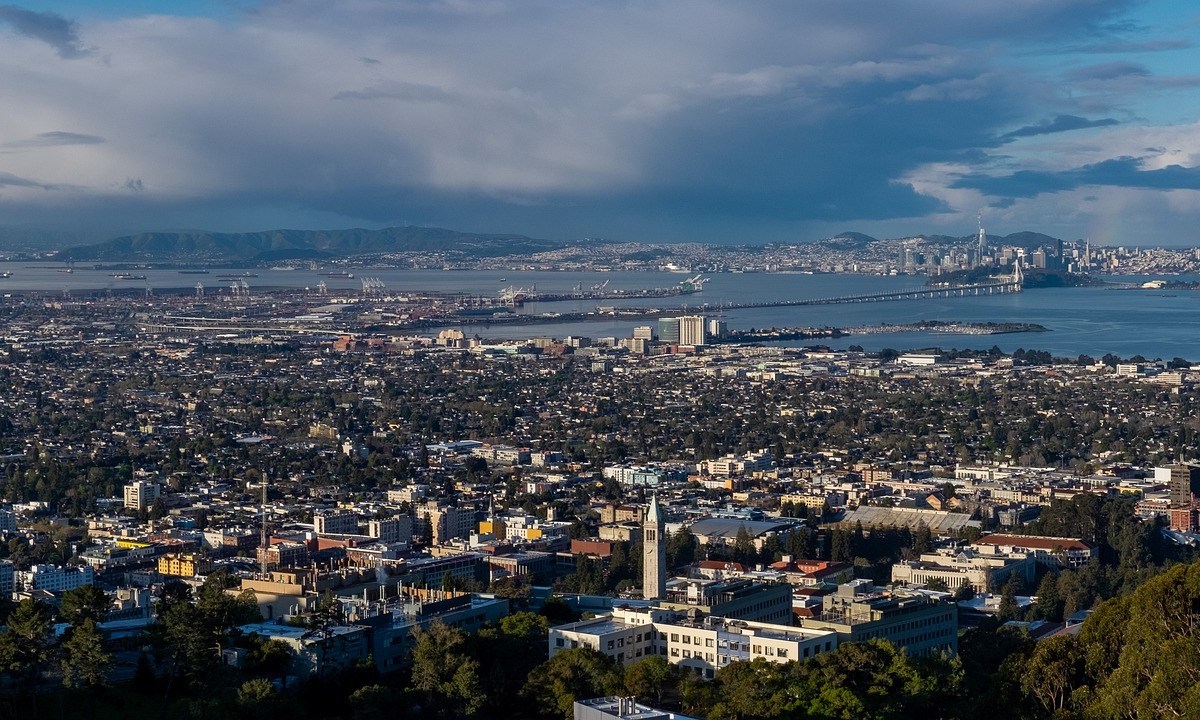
635	120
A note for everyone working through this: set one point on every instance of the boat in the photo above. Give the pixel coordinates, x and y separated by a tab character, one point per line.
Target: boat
126	276
237	276
5	274
193	272
68	271
339	274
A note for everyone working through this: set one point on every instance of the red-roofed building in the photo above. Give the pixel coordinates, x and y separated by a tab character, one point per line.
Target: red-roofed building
719	569
1056	551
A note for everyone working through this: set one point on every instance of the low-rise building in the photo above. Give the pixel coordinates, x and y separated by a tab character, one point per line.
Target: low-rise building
52	578
1052	551
391	622
955	568
700	643
741	599
918	622
184	564
620	708
316	653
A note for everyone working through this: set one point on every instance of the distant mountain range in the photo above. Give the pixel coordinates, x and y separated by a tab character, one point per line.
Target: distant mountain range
275	245
1026	239
279	245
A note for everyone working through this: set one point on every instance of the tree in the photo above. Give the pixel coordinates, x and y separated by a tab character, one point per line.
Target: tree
937	584
25	646
274	659
743	546
86	602
573	674
748	690
1143	651
1053	671
373	702
85	662
444	671
520	639
681	548
922	540
651	678
256	699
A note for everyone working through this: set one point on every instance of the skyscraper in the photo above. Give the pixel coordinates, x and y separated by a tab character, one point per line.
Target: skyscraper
691	330
654	553
1182	480
668	330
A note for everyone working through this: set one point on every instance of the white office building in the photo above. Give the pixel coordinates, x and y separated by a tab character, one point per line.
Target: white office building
701	644
139	495
52	578
691	330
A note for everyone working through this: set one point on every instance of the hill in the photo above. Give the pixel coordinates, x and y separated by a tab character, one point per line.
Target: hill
273	245
1029	240
851	238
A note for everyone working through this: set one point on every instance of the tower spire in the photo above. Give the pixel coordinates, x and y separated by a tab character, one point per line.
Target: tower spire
262	543
654	553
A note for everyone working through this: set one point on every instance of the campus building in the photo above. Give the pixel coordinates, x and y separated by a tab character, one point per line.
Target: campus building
859	611
700	643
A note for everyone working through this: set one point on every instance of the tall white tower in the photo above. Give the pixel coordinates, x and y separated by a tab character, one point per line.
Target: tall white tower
979	242
654	553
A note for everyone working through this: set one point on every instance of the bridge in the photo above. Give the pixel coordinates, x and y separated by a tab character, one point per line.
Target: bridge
1003	284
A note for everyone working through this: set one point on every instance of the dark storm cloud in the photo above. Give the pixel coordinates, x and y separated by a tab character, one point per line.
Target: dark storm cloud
51	28
54	139
1061	123
1108	71
1117	172
563	119
7	179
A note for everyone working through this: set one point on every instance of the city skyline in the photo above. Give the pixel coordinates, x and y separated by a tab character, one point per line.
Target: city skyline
724	123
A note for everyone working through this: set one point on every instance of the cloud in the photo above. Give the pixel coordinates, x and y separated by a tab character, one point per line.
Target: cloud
1116	47
9	180
1108	71
51	28
414	92
1127	172
636	120
1061	123
54	139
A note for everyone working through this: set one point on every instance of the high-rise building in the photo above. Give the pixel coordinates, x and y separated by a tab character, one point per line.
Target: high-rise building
1182	480
691	330
654	553
393	530
140	494
718	329
444	522
335	523
668	330
643	332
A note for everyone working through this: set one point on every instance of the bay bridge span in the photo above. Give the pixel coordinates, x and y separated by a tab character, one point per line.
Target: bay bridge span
993	286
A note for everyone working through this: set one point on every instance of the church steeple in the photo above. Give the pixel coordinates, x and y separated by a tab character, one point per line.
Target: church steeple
654	553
